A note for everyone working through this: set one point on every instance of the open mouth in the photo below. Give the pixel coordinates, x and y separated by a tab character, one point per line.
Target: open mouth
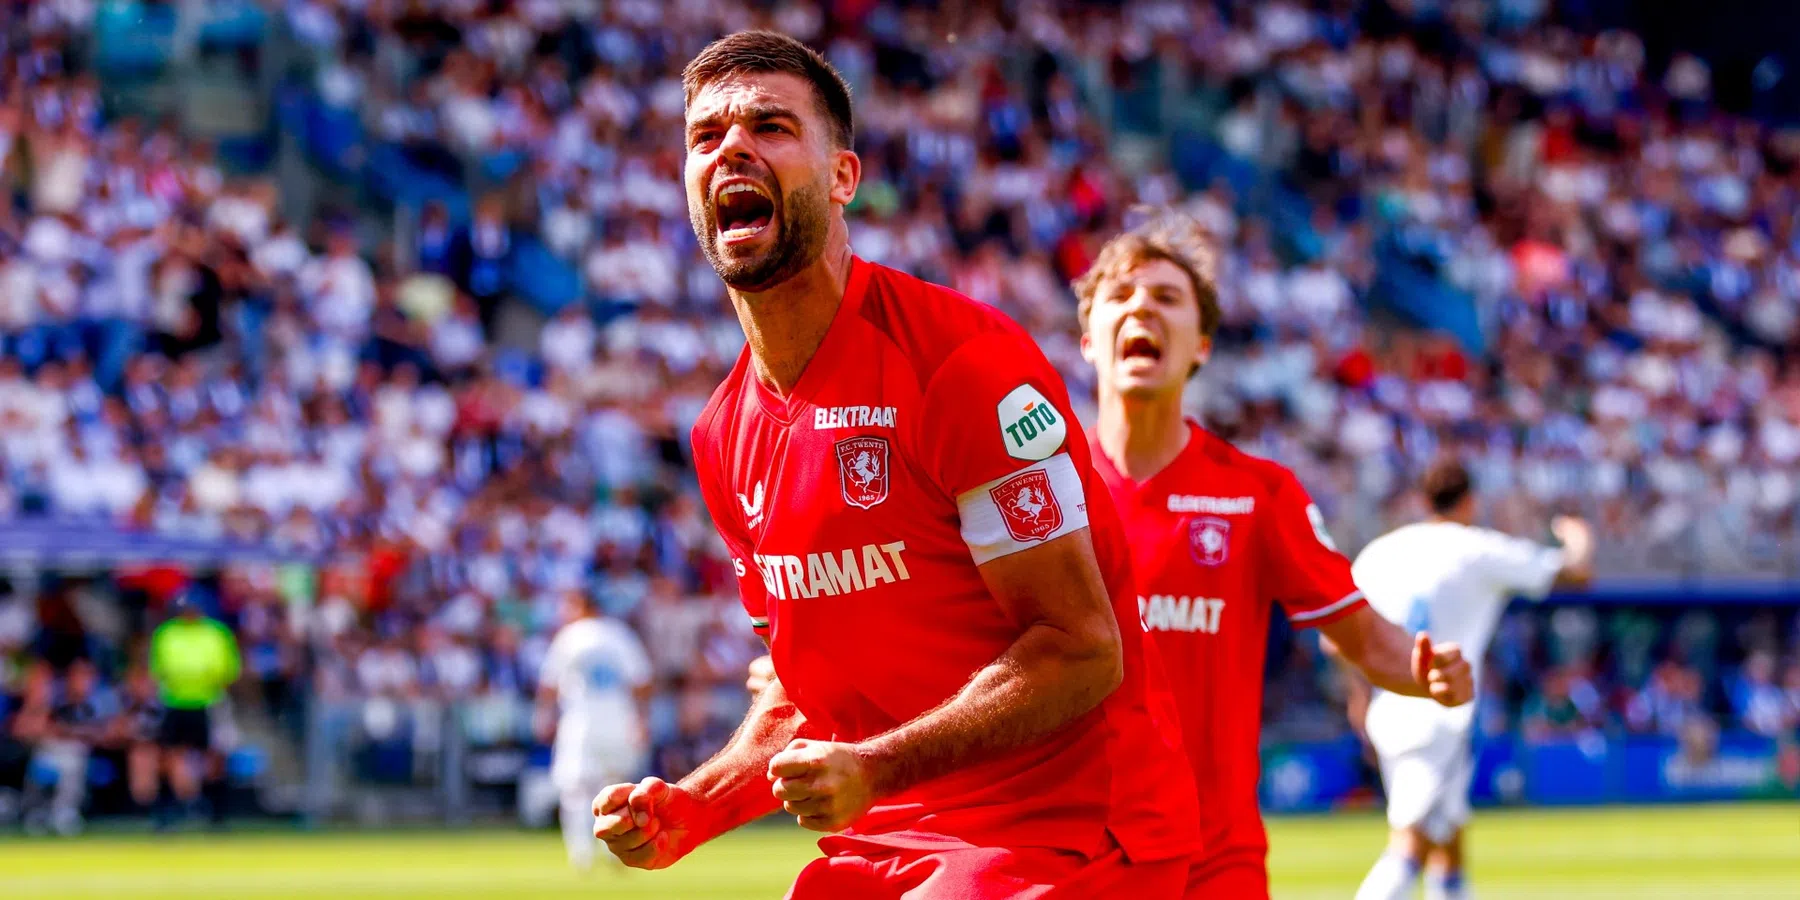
742	209
1140	346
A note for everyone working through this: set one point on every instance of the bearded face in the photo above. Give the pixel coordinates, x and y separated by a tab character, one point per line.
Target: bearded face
755	233
759	175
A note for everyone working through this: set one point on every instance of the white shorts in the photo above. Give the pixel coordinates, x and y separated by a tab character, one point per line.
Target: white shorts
586	759
1428	786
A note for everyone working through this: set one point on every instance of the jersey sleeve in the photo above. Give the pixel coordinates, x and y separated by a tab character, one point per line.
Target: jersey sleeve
723	511
1522	567
1309	577
994	434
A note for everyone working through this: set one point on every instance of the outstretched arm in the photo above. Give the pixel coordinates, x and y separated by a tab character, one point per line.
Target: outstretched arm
1577	539
1393	662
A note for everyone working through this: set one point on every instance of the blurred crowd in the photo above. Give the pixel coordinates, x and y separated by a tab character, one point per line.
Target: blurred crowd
180	358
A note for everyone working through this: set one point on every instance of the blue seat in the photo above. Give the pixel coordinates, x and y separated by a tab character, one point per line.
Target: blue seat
391	177
331	135
232	24
541	278
132	38
1425	299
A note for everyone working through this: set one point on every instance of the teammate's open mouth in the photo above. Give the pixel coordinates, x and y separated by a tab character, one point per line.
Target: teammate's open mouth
742	210
1140	346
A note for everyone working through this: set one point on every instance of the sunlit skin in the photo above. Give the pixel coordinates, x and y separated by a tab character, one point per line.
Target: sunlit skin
1143	339
787	267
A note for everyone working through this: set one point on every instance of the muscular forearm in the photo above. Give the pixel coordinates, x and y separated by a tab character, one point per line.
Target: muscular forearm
1044	681
733	786
1356	695
1379	650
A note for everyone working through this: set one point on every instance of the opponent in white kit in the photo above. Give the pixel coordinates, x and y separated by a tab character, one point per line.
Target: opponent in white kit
1452	579
597	672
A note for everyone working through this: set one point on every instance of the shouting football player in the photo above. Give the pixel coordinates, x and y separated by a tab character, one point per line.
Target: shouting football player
1216	537
920	537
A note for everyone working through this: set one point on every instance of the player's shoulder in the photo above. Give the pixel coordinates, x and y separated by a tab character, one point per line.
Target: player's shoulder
726	398
615	629
564	635
1492	541
1431	539
928	324
1265	476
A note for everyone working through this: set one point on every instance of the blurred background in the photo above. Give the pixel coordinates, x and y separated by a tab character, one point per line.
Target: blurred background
371	329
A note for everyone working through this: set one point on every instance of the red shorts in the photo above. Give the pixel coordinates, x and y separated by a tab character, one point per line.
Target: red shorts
855	869
1229	878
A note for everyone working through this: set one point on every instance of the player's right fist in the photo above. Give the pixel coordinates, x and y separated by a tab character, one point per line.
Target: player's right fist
1442	671
648	825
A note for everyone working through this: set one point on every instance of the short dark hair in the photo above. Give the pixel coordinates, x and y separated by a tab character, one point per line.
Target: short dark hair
590	604
752	52
1446	484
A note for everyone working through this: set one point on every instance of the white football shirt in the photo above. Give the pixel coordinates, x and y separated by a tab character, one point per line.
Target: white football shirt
1451	581
595	665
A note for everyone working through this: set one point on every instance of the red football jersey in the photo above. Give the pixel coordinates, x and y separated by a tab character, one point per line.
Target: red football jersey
1215	538
928	435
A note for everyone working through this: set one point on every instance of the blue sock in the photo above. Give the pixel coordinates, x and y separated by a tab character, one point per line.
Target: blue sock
1446	885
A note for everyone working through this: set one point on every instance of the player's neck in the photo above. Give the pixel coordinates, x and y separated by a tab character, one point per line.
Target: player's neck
785	324
1141	435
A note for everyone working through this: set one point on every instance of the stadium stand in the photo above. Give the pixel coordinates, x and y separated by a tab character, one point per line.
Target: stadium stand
398	364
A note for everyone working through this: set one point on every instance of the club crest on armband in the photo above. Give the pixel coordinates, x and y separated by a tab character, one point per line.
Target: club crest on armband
1028	506
1209	537
863	470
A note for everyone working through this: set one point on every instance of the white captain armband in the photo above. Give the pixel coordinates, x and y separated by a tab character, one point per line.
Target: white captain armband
1023	509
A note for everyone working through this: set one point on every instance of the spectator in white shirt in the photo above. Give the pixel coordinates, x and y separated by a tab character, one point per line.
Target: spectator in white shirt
567	341
340	288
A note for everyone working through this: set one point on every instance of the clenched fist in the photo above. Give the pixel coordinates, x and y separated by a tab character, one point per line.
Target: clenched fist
648	825
1442	671
762	672
825	785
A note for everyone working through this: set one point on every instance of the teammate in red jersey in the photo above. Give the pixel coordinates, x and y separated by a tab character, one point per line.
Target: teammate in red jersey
921	538
1217	536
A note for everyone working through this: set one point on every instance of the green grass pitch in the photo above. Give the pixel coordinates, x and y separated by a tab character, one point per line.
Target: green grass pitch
1748	851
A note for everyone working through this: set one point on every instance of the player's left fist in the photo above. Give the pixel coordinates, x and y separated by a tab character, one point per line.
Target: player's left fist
1442	671
825	785
762	674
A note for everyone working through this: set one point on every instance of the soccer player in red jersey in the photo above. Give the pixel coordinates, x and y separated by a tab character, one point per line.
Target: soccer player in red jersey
1216	537
921	538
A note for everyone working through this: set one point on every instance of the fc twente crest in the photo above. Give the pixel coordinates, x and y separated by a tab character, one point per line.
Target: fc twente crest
1028	506
863	470
1210	539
